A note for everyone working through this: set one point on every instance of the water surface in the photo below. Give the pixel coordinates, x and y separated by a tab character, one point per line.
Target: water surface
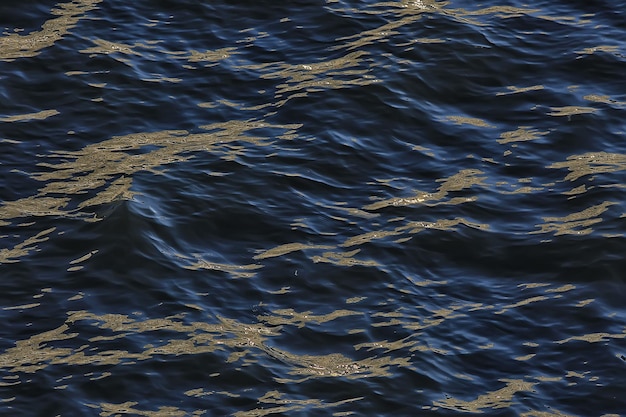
323	208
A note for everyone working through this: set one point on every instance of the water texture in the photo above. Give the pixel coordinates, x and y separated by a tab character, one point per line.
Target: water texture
313	208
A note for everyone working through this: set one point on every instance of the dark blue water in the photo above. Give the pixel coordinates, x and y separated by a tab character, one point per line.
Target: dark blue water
313	208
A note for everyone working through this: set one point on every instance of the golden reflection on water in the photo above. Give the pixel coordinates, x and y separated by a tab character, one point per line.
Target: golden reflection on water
288	248
22	249
516	90
245	344
102	173
576	223
502	398
124	52
464	179
571	110
473	121
40	115
522	134
106	169
302	79
591	163
14	46
242	342
597	98
274	402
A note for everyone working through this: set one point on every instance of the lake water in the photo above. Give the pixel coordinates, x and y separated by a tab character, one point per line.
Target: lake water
313	208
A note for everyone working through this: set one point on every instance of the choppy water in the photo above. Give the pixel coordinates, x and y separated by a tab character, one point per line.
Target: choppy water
313	208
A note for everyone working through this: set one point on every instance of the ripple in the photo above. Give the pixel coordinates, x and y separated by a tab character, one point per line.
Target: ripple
347	208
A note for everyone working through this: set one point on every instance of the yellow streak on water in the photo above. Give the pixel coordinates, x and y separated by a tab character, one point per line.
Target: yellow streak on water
32	207
210	58
34	354
22	307
599	48
465	178
355	212
594	337
577	190
522	303
597	98
301	79
278	403
591	163
568	20
503	12
119	51
576	223
368	237
288	248
307	367
41	115
534	413
501	398
430	40
461	120
14	46
563	288
107	47
24	248
244	343
408	12
291	317
109	164
344	259
235	271
571	110
522	134
515	90
462	180
128	408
